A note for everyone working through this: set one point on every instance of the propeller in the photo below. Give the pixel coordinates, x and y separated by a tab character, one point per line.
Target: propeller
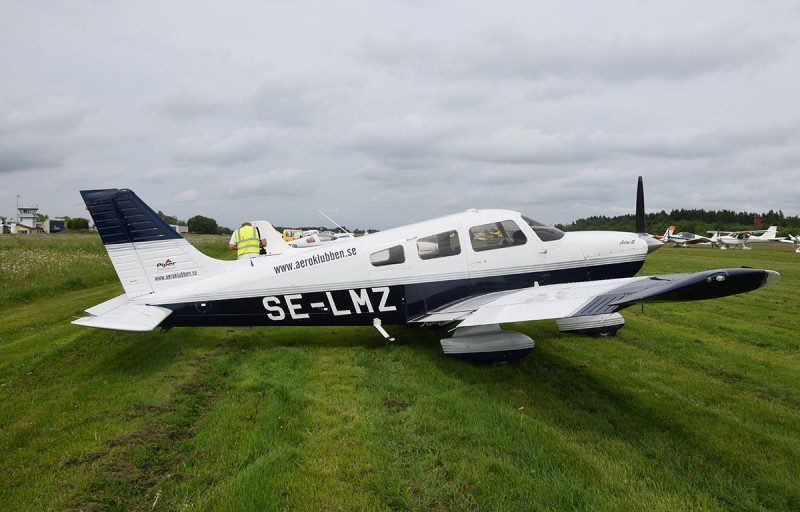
640	207
652	242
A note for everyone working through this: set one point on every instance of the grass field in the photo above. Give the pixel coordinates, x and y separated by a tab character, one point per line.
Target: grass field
692	406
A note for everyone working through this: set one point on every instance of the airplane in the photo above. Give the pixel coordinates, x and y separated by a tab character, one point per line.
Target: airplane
735	239
277	242
793	239
431	273
685	238
317	237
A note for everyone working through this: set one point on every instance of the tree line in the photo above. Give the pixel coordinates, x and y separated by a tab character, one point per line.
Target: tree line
694	220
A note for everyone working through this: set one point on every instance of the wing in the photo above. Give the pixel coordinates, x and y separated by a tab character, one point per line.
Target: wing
119	314
598	297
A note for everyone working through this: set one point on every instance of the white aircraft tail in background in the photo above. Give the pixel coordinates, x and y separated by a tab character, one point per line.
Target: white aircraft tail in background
668	233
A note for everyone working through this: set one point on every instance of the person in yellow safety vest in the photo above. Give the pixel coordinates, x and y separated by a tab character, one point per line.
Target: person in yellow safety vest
247	241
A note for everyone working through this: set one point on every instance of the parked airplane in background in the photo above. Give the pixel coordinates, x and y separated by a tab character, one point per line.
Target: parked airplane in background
685	238
316	237
743	239
793	239
437	272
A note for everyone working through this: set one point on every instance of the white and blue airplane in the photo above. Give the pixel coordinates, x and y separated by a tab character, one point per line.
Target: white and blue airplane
476	269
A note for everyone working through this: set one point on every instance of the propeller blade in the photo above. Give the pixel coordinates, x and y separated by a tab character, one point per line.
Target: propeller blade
652	243
640	227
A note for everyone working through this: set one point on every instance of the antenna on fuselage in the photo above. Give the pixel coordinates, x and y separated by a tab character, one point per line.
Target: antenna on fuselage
337	224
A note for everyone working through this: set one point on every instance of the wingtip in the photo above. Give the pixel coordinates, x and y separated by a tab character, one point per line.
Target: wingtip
771	278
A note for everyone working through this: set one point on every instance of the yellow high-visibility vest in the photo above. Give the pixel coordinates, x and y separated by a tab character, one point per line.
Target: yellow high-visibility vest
247	241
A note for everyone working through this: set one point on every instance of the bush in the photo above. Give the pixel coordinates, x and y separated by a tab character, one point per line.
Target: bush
200	224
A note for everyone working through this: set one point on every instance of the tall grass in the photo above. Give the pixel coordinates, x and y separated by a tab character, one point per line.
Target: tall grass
38	266
691	407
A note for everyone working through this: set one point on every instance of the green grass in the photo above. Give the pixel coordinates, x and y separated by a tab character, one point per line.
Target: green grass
692	406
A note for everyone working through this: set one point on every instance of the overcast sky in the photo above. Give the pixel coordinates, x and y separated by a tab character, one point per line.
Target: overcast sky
382	113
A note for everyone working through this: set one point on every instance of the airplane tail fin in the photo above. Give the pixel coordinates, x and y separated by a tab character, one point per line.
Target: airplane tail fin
668	233
146	252
772	232
275	242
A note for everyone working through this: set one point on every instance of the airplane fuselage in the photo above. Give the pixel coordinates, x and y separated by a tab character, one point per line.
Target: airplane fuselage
395	275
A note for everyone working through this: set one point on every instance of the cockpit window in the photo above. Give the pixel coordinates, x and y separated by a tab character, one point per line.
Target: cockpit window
544	231
496	235
389	256
439	245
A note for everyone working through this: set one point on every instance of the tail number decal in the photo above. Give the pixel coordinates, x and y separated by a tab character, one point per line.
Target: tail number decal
359	301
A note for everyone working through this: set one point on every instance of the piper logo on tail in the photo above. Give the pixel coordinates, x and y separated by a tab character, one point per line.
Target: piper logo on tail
166	264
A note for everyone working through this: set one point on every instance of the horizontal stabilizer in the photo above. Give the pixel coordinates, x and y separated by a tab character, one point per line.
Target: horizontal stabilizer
119	314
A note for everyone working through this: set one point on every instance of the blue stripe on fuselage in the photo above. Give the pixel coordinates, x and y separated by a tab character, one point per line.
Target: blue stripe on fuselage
392	304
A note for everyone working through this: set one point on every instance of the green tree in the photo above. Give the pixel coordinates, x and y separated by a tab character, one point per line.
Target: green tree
77	223
171	219
200	224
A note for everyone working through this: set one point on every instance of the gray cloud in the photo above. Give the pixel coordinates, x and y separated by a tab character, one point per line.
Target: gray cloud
242	145
37	130
410	110
610	58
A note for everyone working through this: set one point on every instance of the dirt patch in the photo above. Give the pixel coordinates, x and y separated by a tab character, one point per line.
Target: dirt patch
129	469
396	406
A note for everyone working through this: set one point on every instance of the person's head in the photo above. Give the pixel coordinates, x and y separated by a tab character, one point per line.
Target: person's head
245	223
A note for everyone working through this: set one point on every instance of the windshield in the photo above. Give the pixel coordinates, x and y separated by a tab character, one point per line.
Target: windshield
545	232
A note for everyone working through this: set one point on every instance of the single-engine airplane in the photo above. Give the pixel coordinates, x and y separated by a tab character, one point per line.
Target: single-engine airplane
793	239
686	238
745	238
439	272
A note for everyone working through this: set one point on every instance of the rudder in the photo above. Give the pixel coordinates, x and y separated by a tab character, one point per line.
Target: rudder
146	252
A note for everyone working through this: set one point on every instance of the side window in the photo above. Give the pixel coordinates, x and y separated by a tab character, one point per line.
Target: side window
545	232
439	245
389	256
496	235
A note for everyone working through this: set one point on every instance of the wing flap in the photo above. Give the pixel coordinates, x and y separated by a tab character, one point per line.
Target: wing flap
544	302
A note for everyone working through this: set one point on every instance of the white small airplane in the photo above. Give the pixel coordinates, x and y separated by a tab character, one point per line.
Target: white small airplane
793	239
478	269
313	237
685	238
743	239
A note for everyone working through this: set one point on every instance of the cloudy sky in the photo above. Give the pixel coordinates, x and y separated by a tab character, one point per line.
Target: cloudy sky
381	113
